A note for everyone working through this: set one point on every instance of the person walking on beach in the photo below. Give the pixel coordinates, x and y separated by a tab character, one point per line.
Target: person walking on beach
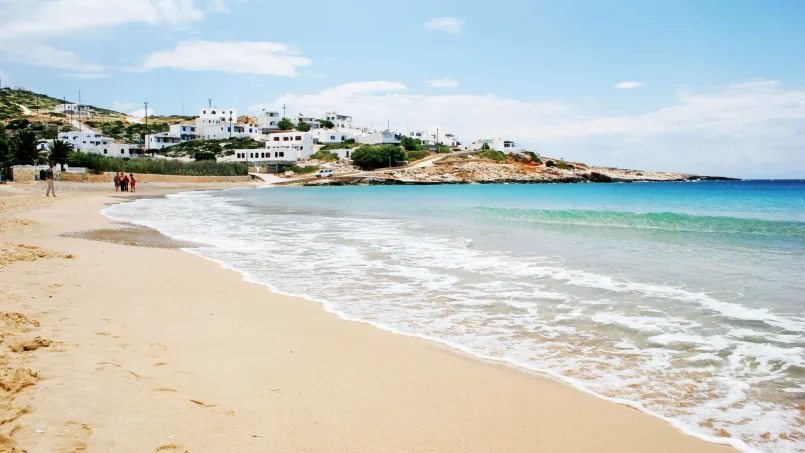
133	182
125	183
49	176
116	180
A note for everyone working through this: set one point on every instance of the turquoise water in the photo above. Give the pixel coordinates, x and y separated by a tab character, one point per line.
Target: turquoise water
685	300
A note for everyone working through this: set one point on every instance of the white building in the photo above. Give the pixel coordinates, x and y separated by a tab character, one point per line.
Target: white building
221	124
377	138
103	146
183	131
74	109
83	141
312	122
268	121
162	140
497	144
333	136
339	121
282	147
433	135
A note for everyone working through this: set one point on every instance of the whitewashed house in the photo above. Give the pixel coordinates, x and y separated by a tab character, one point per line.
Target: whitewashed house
183	131
378	138
281	147
433	135
339	121
312	122
83	141
162	140
268	121
497	144
74	109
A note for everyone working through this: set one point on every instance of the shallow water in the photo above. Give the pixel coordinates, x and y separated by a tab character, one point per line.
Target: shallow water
682	299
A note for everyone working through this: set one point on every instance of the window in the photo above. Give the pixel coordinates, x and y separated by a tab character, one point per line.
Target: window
251	155
262	155
332	137
298	138
276	139
84	142
104	151
276	154
122	152
285	139
282	154
213	112
273	123
347	153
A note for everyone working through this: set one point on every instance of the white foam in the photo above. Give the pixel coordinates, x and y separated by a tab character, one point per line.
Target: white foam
525	310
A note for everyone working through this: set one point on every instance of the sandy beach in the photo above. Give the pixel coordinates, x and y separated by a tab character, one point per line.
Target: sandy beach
115	347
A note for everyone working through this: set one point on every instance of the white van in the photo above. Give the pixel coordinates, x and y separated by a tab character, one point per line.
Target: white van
324	173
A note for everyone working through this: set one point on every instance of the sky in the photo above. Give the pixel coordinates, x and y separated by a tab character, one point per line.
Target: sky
711	87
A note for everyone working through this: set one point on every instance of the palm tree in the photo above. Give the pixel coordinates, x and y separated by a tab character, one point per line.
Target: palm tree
59	151
23	146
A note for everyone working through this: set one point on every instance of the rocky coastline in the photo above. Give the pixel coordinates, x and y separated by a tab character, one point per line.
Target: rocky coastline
469	169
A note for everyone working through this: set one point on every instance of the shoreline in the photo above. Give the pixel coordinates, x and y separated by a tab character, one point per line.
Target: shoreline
524	391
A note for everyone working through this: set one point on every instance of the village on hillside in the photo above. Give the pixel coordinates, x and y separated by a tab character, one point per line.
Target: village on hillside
332	145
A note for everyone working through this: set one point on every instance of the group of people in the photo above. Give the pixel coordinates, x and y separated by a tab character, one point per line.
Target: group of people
125	183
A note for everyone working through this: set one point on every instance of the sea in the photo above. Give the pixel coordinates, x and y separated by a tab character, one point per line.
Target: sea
683	300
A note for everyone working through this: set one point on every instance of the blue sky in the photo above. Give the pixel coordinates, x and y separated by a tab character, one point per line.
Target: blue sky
705	86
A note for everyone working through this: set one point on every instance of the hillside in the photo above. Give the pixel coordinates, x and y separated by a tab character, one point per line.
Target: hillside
23	109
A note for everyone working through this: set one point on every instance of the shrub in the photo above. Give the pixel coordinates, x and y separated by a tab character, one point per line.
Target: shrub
285	124
204	155
534	156
416	155
299	170
99	163
492	155
324	156
372	157
346	144
326	124
302	126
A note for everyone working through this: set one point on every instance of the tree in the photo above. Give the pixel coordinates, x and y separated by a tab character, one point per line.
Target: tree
410	144
59	152
303	126
372	157
485	146
327	124
23	146
285	124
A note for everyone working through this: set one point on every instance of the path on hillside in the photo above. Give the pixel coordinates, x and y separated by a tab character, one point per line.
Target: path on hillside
82	127
25	110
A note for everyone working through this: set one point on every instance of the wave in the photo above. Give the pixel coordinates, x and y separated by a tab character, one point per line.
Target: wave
661	221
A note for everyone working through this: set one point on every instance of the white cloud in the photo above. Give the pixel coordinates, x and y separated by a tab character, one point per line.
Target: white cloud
445	24
139	113
756	127
41	18
125	106
45	55
229	56
444	82
627	85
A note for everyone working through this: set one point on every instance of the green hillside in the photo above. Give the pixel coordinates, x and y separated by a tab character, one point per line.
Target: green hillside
12	98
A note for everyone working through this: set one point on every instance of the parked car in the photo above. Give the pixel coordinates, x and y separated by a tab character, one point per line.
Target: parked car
324	173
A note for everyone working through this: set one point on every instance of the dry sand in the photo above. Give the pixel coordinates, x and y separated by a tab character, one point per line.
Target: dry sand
116	348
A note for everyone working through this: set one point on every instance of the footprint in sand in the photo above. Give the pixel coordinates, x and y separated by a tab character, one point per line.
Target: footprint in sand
73	437
212	406
156	349
172	448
